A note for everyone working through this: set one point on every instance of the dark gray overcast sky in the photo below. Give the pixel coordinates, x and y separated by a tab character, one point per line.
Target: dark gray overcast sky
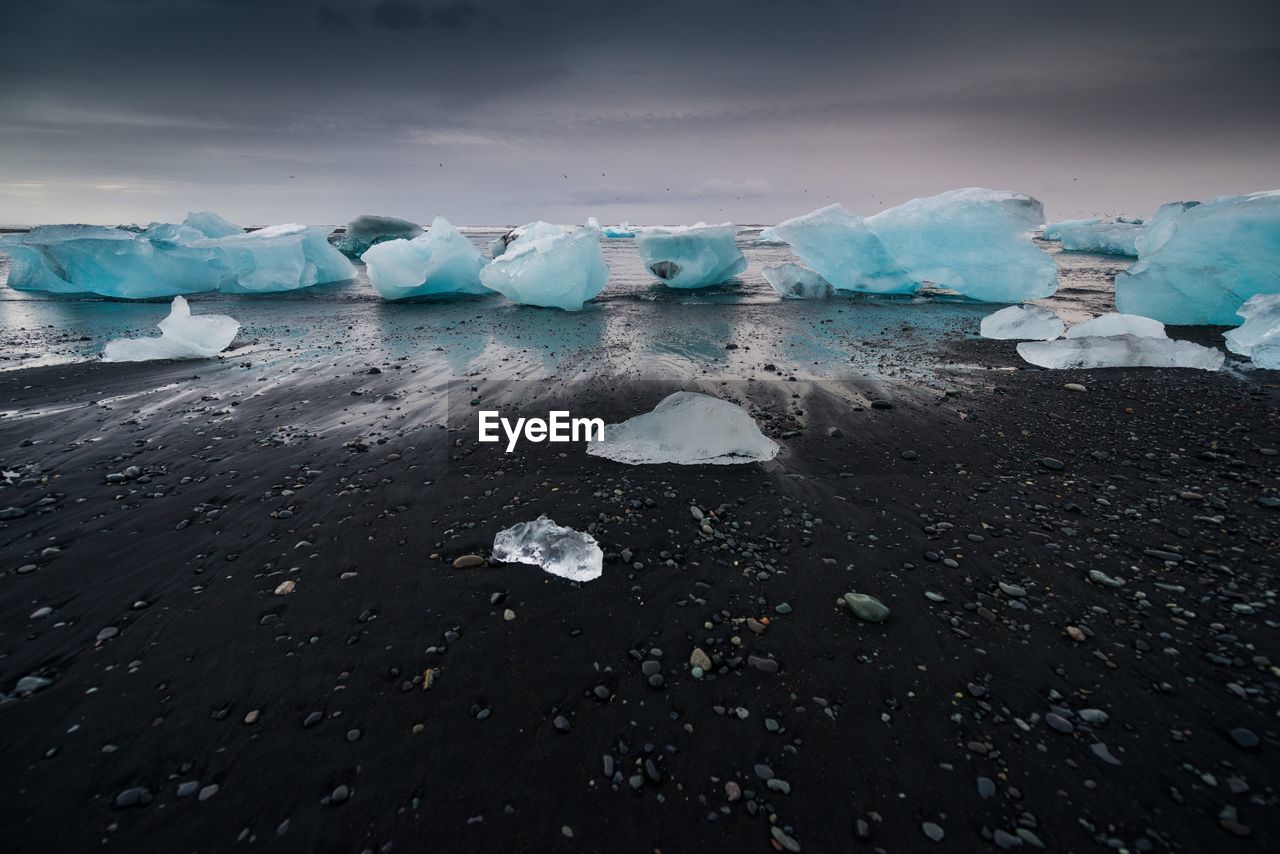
654	111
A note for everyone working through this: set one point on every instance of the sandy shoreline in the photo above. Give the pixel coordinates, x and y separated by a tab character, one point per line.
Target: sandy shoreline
871	728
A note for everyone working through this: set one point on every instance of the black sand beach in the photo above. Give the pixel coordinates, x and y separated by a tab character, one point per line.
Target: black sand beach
1081	652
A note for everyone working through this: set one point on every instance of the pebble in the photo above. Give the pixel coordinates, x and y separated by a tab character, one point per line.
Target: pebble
562	724
699	658
136	796
1244	738
1059	723
933	831
1075	634
1075	387
468	562
865	607
1052	464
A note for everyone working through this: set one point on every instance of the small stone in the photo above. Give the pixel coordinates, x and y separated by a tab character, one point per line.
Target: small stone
933	831
136	796
699	658
284	588
1052	464
561	723
1075	634
468	562
1244	738
865	607
252	717
508	615
1075	387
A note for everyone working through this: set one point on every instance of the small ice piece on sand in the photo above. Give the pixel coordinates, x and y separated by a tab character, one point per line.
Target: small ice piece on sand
792	281
547	266
1025	322
692	256
1113	323
1120	351
558	550
1198	264
182	336
369	230
441	261
1261	315
686	428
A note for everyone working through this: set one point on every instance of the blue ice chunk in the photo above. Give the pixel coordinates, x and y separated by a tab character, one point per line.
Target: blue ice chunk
548	266
1022	322
1053	230
1198	265
204	253
182	336
1261	327
843	250
369	230
694	256
1105	237
792	281
974	241
529	231
441	261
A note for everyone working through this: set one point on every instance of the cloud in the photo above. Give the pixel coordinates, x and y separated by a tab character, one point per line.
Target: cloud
411	15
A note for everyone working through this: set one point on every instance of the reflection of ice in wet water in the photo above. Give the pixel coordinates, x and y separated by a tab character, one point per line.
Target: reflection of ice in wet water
636	327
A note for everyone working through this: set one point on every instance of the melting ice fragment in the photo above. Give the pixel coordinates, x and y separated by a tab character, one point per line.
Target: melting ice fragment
547	266
842	249
441	261
203	253
974	241
558	550
692	256
182	336
769	235
1198	264
369	230
623	229
1259	335
792	281
1053	230
1116	237
1113	323
686	428
529	231
1120	351
1025	322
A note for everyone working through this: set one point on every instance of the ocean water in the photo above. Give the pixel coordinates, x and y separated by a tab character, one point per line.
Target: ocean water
636	328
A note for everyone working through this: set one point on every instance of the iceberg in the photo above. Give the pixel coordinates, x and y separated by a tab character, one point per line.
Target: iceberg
182	336
560	551
792	281
976	242
1105	238
1053	230
1026	322
769	236
440	261
204	253
1266	353
1261	325
1120	351
686	428
368	230
693	256
1113	323
548	266
1198	263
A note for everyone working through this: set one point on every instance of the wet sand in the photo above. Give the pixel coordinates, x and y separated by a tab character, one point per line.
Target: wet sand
162	505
